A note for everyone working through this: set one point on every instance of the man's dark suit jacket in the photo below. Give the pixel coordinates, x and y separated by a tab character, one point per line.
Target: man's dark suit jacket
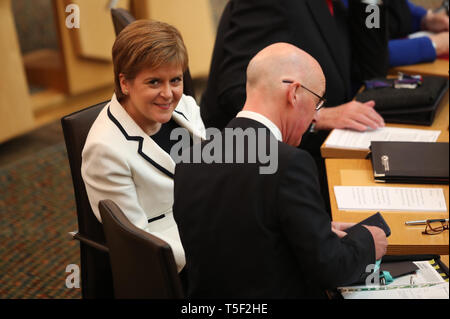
346	49
248	235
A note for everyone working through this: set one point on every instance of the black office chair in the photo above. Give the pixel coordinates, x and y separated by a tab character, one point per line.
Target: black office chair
96	277
143	265
121	18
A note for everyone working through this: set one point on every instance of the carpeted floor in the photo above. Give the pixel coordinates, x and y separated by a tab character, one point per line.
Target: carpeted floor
37	210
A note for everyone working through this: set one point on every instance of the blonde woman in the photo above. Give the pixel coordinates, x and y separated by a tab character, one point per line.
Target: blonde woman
127	153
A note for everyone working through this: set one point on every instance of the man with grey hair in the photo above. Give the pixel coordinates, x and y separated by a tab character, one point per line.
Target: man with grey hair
253	235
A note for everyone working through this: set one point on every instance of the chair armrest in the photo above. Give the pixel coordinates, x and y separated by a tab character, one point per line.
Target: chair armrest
89	242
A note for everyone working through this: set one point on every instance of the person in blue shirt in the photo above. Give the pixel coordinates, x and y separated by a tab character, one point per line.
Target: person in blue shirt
408	18
424	48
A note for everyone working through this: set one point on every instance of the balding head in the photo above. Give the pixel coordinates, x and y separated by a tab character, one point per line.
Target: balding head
281	61
285	104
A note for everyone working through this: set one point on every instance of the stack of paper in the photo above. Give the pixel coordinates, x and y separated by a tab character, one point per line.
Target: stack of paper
425	291
426	283
390	198
361	140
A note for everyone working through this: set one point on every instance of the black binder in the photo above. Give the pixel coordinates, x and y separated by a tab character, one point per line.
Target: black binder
408	106
410	162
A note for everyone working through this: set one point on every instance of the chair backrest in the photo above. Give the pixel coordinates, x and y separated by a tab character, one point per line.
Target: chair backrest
121	18
143	265
96	275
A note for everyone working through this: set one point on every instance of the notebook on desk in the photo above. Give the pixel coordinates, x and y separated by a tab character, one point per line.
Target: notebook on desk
408	106
410	162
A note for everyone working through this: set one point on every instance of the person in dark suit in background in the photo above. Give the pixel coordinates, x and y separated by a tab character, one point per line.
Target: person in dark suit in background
258	234
336	36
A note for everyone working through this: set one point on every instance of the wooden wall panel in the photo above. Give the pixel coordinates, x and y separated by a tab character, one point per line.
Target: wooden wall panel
82	74
15	105
96	34
194	19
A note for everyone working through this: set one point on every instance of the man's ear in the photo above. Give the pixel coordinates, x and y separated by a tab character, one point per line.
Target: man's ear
292	96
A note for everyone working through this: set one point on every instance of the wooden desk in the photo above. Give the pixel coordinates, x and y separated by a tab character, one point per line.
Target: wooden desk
444	259
404	239
439	68
440	123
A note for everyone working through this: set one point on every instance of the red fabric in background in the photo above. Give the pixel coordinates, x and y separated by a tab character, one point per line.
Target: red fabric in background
330	6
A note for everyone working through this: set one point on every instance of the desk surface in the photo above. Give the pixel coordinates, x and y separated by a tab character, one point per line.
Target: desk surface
439	68
444	259
404	239
440	123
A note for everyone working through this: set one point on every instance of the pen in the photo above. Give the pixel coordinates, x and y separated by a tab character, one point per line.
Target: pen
424	222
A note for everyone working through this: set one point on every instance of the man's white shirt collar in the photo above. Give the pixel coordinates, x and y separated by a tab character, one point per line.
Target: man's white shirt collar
263	120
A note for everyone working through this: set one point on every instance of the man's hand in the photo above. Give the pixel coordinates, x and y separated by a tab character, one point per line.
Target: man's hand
379	239
435	22
352	115
339	228
441	42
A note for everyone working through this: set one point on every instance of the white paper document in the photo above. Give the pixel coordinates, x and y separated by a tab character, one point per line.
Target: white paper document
426	273
361	140
425	283
390	198
426	291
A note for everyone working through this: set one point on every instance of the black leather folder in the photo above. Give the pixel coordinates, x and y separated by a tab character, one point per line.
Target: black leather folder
399	268
408	106
410	162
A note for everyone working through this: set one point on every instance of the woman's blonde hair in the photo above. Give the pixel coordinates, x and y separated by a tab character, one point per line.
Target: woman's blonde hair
146	44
